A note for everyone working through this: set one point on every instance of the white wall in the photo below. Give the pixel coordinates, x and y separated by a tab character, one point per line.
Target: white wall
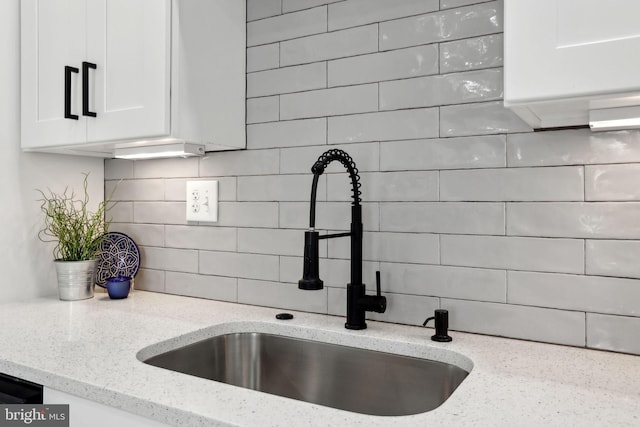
25	262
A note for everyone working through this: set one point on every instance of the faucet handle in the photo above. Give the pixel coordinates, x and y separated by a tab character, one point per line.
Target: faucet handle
378	288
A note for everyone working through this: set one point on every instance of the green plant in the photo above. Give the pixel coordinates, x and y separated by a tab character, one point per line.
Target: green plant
77	231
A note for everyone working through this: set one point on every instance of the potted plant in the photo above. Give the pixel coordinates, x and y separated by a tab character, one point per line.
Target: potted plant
78	233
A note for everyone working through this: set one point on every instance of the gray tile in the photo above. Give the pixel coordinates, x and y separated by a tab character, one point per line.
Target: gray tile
571	292
165	168
289	26
329	215
258	9
384	126
135	190
443	281
416	248
240	265
387	186
514	253
515	184
293	5
159	213
329	102
248	214
243	162
274	241
456	88
451	24
150	280
290	269
613	333
579	220
118	169
200	237
168	259
448	4
353	13
142	234
479	119
337	273
287	80
448	217
446	153
529	323
337	44
618	258
263	57
120	212
396	64
279	188
474	53
573	147
290	133
281	295
202	286
612	182
260	110
300	160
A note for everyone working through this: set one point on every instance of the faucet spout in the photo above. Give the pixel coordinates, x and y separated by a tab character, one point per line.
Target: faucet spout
358	303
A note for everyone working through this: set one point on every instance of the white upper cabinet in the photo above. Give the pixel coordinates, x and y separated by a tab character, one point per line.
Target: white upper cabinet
565	59
104	74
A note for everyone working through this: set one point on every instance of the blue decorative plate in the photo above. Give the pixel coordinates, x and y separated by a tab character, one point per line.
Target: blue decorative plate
119	256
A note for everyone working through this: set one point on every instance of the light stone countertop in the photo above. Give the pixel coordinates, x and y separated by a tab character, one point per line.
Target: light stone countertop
89	348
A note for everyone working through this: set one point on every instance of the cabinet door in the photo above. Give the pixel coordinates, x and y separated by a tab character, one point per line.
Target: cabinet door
52	37
558	49
129	41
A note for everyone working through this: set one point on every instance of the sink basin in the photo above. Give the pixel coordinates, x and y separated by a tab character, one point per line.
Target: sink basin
348	378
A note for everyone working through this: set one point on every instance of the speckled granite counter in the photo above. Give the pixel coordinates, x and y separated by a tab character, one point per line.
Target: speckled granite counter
88	348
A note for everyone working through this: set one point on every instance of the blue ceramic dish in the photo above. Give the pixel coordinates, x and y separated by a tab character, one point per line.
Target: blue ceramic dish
118	287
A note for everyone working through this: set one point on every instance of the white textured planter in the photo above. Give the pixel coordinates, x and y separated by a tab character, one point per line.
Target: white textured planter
76	279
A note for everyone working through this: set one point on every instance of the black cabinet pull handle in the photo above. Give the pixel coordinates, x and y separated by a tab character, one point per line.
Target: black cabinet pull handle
85	88
67	92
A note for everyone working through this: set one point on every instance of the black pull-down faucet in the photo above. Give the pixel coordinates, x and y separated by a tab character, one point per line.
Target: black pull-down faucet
358	303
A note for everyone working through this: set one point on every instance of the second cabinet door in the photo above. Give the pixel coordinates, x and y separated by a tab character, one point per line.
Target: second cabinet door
129	89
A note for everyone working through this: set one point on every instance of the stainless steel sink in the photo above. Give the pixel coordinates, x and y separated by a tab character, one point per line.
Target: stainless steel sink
353	379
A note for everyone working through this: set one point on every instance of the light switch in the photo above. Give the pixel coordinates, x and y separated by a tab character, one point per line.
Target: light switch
202	201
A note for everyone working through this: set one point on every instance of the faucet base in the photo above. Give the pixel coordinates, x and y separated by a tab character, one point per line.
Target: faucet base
355	327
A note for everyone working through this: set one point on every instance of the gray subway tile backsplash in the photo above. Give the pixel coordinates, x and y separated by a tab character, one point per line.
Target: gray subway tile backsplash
445	153
479	119
329	102
287	26
384	126
287	80
459	23
511	184
471	54
513	253
337	44
446	89
531	235
382	66
352	13
264	57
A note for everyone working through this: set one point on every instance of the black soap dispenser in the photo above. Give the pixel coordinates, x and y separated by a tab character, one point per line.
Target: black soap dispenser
441	318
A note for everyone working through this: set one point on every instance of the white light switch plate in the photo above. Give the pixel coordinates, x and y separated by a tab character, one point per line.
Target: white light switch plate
202	201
